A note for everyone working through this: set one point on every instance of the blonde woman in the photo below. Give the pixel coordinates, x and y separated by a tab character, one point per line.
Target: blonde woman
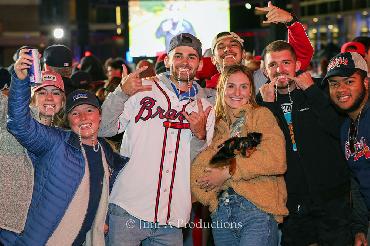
246	197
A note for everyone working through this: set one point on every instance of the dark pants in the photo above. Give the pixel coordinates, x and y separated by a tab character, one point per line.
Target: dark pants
309	222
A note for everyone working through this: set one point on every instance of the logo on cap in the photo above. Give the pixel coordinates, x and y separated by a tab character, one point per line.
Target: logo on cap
337	62
49	77
79	96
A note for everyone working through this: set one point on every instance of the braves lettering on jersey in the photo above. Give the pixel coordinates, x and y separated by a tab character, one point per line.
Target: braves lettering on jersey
155	184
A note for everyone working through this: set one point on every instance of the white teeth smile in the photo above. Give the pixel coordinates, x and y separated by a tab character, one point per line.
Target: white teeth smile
49	106
85	125
236	99
229	56
343	98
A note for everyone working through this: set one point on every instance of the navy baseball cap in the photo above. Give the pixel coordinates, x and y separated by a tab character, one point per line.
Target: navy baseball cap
79	97
345	64
185	39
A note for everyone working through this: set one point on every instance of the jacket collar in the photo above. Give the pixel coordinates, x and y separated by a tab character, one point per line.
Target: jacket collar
194	90
72	139
233	114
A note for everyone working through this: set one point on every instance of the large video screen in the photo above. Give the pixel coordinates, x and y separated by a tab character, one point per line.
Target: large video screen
152	24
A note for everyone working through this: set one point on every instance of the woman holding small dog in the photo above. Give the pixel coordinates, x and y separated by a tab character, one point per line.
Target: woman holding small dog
246	191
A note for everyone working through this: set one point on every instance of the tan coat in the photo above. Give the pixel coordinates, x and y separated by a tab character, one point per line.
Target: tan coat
258	178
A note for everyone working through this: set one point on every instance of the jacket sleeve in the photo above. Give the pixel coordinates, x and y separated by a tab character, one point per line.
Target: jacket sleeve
269	158
359	212
326	115
112	109
31	134
297	37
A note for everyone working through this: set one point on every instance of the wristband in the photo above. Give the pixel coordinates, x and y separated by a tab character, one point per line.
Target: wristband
294	20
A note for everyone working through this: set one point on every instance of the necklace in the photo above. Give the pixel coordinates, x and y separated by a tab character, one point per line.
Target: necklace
97	147
353	132
92	140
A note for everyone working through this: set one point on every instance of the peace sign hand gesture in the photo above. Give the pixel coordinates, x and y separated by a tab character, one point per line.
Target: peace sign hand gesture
132	83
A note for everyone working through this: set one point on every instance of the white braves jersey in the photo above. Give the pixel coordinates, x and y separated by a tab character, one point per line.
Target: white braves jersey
155	184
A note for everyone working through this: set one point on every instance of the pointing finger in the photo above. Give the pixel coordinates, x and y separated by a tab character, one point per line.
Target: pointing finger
208	110
262	9
139	70
124	70
200	106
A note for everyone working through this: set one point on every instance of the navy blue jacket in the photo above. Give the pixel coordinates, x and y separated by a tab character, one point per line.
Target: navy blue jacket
359	162
59	167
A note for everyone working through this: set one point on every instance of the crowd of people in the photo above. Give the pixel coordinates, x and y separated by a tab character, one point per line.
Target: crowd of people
108	154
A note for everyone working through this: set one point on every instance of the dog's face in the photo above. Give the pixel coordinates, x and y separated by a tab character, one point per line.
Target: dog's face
236	145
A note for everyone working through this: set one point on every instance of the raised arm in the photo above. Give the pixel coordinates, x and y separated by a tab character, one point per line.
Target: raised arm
114	104
32	135
297	36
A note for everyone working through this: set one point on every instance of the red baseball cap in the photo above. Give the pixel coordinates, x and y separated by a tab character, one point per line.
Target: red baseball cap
353	47
50	78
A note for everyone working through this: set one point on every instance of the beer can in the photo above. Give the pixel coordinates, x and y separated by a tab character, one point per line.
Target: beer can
35	70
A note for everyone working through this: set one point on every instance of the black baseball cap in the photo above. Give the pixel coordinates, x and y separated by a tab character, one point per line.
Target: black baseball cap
81	80
185	39
345	64
79	97
58	55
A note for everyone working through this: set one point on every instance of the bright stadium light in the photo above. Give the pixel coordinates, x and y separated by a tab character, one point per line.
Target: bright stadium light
58	33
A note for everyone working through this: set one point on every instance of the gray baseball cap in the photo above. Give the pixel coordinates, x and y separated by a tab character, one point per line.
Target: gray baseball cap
186	39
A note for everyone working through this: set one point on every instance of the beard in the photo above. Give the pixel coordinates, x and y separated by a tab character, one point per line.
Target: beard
183	76
357	103
220	63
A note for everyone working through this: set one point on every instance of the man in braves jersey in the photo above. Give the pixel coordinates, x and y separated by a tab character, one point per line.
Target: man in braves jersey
349	91
166	122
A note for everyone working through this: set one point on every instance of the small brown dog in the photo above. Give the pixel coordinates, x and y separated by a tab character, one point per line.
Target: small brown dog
236	145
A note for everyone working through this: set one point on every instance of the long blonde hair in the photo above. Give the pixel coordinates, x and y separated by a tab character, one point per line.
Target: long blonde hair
220	107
